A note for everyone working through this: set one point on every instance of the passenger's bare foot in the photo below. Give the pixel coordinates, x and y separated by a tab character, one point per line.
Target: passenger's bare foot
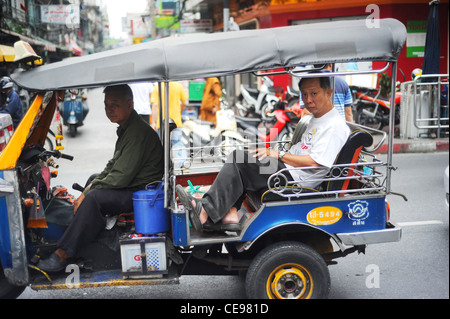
231	217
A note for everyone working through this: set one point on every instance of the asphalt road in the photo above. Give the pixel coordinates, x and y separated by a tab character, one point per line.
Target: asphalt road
417	267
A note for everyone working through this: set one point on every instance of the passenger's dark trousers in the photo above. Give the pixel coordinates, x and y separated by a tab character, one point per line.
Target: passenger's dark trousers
240	174
90	218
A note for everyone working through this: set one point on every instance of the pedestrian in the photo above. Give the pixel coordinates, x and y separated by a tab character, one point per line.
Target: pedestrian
12	104
211	100
141	98
137	162
178	99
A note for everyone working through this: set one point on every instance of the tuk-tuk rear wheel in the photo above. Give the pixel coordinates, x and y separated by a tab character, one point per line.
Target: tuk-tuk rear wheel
7	290
288	270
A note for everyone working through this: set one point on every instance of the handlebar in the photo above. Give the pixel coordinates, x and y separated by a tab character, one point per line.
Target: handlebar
78	187
58	154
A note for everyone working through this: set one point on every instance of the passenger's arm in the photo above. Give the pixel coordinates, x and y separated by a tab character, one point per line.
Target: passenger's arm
290	159
348	114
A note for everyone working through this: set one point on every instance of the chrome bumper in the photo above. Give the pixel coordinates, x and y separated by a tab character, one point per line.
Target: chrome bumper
391	233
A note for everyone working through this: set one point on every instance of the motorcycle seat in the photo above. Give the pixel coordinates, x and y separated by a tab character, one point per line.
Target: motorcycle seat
247	121
253	92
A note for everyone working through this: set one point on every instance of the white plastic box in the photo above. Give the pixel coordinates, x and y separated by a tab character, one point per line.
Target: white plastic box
150	250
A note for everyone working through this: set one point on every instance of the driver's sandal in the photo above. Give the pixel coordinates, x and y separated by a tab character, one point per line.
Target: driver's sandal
194	212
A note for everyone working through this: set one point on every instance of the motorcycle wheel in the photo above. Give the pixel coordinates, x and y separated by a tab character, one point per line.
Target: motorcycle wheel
266	109
284	140
245	108
72	130
367	120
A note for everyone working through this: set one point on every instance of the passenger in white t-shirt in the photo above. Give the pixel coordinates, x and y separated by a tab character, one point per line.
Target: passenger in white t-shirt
319	146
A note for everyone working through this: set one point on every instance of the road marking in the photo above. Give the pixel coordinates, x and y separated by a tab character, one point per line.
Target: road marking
421	223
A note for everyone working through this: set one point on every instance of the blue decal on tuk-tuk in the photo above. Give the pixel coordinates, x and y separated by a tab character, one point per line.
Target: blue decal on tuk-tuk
5	241
341	216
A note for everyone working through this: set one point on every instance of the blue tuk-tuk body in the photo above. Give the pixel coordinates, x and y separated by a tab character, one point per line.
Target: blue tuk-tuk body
288	235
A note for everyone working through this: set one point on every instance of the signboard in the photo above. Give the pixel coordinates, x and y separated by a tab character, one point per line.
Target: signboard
193	26
415	40
136	25
68	15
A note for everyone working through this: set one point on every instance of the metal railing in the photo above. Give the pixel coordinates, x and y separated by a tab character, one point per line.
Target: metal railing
423	107
370	180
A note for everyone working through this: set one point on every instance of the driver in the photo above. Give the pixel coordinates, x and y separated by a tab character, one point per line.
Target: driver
137	161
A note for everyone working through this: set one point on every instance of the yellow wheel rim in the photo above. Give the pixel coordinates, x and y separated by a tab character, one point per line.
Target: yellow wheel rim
289	281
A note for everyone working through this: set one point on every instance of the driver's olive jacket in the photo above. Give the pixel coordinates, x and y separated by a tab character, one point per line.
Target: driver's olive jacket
138	158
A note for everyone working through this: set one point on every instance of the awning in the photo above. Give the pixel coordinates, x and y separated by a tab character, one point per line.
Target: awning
6	53
48	46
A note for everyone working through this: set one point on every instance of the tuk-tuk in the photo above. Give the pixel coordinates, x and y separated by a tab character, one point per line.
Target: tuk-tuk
288	237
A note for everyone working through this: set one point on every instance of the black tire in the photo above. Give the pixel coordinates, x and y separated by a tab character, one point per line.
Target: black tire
368	121
283	140
265	108
288	270
7	290
73	130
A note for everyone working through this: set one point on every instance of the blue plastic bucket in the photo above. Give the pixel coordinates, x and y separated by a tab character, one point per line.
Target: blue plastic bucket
150	216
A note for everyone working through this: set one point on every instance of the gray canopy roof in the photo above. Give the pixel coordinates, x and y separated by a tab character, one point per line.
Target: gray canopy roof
219	54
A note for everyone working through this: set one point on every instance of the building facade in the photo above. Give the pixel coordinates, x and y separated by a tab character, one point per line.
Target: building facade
56	29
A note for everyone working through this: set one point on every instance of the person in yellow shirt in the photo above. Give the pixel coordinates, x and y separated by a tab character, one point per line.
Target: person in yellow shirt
178	99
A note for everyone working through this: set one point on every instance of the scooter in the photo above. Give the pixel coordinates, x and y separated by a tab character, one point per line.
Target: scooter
282	125
253	101
372	110
74	110
204	140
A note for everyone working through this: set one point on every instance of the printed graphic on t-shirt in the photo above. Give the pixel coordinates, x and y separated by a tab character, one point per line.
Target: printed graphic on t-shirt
307	143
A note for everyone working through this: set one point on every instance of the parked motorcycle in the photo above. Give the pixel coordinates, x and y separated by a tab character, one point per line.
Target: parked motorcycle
74	110
372	110
260	102
204	139
282	124
292	97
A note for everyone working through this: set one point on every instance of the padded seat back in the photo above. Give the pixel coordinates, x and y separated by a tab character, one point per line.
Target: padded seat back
349	154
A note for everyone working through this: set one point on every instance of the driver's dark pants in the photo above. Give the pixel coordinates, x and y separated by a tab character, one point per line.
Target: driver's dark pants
240	174
90	218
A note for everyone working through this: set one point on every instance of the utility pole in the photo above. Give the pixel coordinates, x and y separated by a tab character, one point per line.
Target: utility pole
152	7
226	15
229	80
